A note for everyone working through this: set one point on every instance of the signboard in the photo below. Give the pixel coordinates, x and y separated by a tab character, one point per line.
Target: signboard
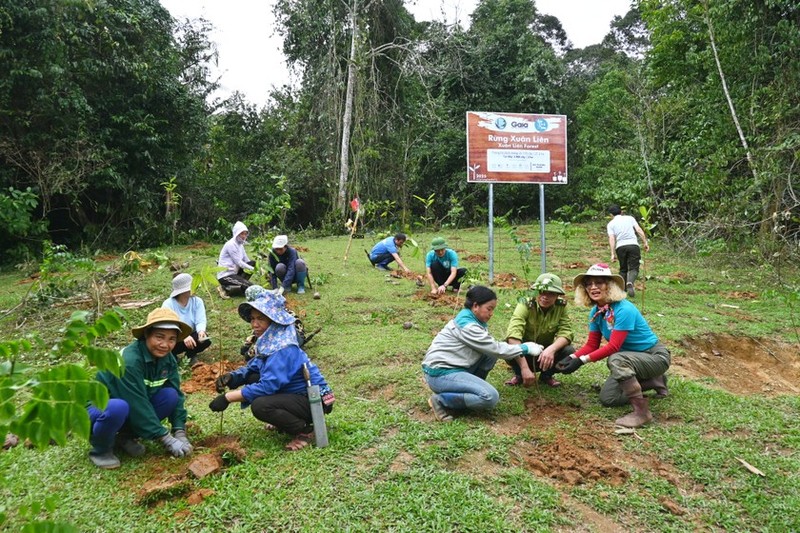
516	148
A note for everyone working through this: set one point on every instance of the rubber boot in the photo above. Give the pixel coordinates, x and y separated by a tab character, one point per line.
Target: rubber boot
300	278
658	384
632	275
101	453
641	412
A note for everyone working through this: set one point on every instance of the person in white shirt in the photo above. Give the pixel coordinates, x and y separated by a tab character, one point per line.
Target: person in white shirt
192	311
622	231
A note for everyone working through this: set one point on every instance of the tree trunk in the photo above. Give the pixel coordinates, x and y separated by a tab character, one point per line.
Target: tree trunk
341	200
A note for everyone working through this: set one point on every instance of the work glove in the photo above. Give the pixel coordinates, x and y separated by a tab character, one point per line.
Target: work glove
223	382
176	447
568	366
180	434
219	404
533	348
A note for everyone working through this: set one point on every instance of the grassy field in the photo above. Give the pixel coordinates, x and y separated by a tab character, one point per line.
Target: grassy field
544	460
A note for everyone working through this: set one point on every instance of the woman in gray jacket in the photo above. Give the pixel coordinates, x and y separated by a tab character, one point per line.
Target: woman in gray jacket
463	353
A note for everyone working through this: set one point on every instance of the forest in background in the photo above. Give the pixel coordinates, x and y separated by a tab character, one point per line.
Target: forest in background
687	114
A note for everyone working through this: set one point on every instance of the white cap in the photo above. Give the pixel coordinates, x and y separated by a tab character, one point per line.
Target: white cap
280	241
180	284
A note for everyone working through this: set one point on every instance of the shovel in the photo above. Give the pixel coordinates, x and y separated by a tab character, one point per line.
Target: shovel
317	414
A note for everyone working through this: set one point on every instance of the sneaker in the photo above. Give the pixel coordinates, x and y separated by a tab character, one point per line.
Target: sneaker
104	460
629	289
301	290
222	293
132	447
439	411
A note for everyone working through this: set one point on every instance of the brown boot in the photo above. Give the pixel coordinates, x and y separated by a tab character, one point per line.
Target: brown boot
658	384
641	411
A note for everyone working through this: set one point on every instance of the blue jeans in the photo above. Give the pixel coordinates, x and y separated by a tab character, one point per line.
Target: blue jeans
382	260
106	423
467	389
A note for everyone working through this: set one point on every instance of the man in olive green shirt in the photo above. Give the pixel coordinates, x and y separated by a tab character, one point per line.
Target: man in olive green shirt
543	320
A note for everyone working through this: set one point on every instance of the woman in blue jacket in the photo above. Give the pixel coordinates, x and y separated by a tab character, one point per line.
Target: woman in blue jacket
272	383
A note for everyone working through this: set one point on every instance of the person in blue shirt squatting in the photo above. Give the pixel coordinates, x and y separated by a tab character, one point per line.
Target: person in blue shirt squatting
388	250
635	357
272	383
148	392
192	311
462	354
287	267
441	265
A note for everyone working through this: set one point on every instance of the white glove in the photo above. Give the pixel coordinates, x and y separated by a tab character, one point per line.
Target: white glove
176	447
533	348
180	434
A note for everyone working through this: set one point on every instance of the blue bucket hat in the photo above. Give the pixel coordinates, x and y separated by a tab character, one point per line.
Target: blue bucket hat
270	304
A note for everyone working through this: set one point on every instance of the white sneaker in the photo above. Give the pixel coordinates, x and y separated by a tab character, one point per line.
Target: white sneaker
222	293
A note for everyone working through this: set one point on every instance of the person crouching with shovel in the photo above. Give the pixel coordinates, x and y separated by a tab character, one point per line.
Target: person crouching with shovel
273	383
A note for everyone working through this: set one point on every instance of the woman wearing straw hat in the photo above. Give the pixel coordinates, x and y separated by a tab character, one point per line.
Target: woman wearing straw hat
272	383
441	264
635	357
192	311
148	391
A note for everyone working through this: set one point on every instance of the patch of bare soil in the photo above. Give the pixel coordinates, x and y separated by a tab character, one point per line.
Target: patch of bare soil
449	300
475	258
357	299
509	281
199	245
204	375
742	365
211	455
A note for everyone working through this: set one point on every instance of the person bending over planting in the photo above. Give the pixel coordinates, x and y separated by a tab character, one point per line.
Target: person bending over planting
545	321
441	265
388	250
272	382
462	354
287	267
148	392
635	357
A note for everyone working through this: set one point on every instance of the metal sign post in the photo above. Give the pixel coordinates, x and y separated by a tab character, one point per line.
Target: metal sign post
516	148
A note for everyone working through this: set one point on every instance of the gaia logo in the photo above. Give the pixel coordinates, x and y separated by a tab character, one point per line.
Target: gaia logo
540	124
500	122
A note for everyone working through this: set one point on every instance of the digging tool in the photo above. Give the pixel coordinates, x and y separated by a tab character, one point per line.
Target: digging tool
309	337
317	414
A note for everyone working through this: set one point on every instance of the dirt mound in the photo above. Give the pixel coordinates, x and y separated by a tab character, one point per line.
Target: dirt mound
741	365
204	375
442	300
588	459
509	281
475	258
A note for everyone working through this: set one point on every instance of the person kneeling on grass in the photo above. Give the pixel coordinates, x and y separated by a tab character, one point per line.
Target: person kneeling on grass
272	383
192	311
148	391
462	354
441	266
543	320
636	358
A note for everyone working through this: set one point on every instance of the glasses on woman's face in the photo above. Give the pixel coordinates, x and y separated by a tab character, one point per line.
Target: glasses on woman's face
592	282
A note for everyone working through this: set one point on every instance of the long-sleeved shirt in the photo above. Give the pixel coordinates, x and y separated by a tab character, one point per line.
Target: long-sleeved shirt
194	314
288	258
463	342
532	323
233	255
280	372
142	377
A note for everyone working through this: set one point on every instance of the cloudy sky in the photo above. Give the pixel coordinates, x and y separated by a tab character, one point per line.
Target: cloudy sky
250	58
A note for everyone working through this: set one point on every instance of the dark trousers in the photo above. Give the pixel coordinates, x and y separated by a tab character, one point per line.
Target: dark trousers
629	258
200	346
382	259
112	419
440	275
236	284
533	363
290	413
